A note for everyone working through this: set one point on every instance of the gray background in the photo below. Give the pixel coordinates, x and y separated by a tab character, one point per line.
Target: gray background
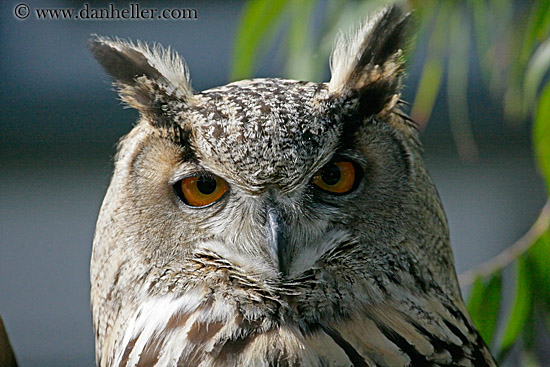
59	125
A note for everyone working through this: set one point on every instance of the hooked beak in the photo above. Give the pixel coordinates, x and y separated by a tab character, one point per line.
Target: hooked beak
277	238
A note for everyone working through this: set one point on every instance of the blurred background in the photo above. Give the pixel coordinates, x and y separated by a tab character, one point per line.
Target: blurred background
60	121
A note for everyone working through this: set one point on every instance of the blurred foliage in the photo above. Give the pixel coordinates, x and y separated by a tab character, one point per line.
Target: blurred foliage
484	305
510	42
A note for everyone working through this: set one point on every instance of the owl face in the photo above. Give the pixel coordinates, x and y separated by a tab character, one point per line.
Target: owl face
268	175
265	205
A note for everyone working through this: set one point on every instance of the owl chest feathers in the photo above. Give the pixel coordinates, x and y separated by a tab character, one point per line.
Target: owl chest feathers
242	321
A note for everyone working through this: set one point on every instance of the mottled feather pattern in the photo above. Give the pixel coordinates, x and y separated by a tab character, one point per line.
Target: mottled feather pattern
256	112
276	271
203	326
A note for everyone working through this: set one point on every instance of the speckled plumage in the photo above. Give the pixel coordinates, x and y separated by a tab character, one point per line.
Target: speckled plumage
276	272
288	117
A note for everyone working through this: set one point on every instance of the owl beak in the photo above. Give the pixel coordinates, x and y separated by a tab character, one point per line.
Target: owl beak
277	239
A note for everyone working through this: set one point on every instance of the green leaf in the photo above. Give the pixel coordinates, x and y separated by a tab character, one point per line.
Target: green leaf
541	134
428	88
528	333
537	27
524	40
484	27
457	87
258	18
521	307
432	74
300	64
539	256
536	70
484	305
476	297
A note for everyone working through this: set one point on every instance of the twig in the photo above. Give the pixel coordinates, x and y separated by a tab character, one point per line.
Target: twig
511	253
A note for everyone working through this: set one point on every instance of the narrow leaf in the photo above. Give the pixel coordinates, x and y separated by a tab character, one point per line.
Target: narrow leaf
457	87
541	134
300	63
428	88
432	74
537	27
536	70
531	32
521	307
258	18
483	34
476	298
539	256
484	305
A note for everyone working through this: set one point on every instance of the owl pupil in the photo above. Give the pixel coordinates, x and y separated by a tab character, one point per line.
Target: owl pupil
206	185
331	174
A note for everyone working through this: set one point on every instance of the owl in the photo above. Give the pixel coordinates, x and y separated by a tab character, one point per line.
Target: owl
274	222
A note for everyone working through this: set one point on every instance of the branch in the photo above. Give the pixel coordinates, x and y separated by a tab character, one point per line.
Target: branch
510	253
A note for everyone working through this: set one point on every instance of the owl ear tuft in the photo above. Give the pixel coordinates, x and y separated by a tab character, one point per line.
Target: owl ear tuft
366	66
146	75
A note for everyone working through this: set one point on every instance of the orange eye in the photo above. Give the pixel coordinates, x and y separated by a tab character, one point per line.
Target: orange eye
201	191
336	177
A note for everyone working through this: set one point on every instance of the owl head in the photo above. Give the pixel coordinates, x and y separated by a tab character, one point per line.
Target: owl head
276	180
